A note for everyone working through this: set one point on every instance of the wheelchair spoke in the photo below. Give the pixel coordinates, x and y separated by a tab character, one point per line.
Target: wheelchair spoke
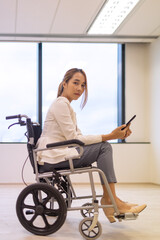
45	220
87	226
33	218
28	206
93	232
35	197
52	212
46	200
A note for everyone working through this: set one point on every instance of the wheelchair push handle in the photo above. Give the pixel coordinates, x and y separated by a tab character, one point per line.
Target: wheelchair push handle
20	121
16	116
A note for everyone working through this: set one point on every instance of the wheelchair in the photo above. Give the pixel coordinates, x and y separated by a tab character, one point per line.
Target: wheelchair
42	206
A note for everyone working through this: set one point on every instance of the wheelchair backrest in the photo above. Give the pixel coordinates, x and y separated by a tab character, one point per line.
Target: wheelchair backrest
33	134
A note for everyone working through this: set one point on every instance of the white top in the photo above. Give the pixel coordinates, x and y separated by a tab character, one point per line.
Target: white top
61	125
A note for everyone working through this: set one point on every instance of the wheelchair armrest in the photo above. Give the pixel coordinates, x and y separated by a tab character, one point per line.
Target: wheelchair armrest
68	142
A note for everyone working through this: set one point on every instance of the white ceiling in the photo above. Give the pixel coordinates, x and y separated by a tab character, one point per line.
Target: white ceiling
68	20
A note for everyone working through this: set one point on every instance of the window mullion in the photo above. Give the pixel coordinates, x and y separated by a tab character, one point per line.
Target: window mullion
40	83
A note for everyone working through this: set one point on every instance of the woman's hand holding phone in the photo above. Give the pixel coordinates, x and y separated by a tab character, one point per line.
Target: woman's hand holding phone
118	133
126	128
121	132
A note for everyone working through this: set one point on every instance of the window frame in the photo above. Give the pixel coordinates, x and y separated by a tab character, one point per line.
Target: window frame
121	88
120	85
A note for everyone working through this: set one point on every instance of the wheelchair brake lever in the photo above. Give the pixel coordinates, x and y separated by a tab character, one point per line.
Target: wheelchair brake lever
12	125
22	123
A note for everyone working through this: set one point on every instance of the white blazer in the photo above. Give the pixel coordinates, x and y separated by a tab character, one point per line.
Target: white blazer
61	125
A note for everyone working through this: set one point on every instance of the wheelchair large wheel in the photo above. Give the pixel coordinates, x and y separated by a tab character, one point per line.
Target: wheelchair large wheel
34	209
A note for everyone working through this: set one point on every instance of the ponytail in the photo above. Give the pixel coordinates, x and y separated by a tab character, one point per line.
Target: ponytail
60	89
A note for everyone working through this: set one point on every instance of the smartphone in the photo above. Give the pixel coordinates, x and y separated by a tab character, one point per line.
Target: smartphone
129	122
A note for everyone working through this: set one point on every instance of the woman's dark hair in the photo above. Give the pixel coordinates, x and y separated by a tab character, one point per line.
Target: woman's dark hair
69	74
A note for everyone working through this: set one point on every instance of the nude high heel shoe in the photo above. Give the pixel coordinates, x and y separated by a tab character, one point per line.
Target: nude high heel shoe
109	212
129	204
137	209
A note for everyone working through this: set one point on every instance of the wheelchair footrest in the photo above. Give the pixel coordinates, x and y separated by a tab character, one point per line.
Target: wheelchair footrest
127	216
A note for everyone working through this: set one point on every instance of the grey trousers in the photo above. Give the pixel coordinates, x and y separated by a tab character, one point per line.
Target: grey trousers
101	153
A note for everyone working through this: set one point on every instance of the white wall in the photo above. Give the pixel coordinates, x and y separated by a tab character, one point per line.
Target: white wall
137	91
143	97
12	159
154	105
136	162
131	163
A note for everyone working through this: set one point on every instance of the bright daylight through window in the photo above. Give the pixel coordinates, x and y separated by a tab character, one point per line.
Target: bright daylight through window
19	88
99	61
18	91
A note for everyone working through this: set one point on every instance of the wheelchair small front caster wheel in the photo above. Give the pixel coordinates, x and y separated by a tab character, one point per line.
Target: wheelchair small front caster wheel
41	209
87	212
86	233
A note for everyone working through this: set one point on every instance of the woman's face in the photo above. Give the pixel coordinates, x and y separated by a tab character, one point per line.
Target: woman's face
75	87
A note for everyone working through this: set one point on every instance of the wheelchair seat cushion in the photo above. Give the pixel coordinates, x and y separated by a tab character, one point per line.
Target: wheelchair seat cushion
47	167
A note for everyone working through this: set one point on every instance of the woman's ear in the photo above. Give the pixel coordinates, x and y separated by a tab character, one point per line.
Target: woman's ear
64	85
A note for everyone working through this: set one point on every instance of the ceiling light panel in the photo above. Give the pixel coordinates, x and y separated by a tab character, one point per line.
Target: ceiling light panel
111	16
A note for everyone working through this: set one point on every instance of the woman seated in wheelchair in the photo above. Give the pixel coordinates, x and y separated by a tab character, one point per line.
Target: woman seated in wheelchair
61	125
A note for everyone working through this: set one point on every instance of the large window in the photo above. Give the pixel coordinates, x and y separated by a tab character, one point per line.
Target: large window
99	61
19	81
18	86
